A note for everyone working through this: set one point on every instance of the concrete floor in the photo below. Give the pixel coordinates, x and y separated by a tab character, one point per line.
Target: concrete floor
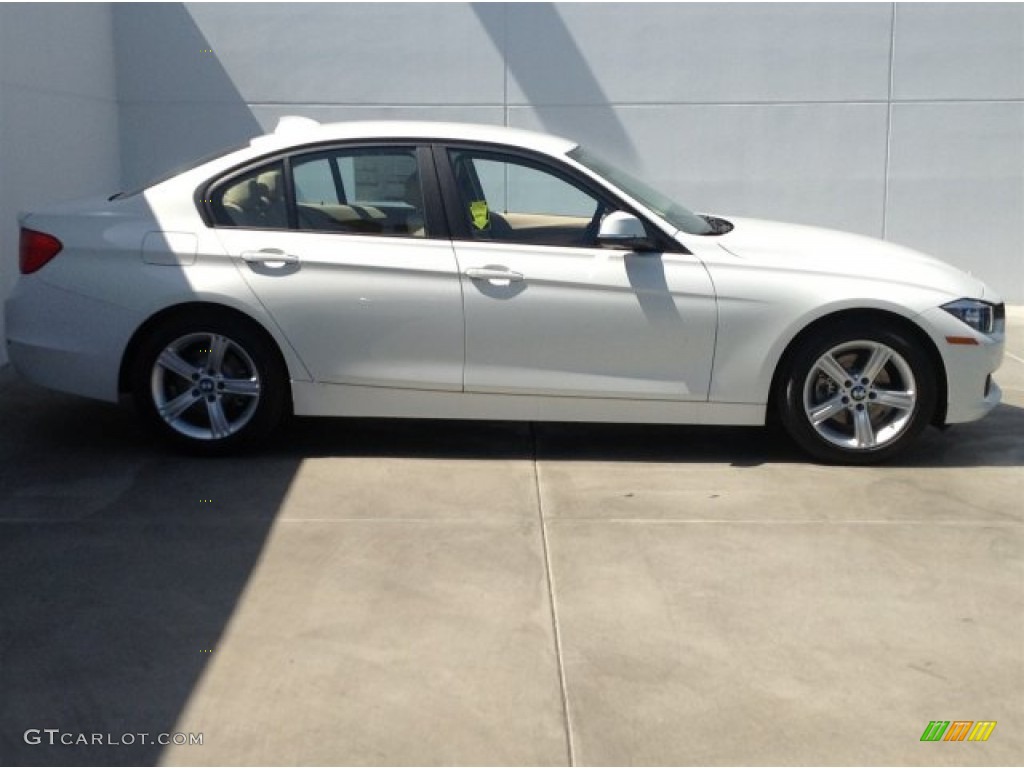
375	592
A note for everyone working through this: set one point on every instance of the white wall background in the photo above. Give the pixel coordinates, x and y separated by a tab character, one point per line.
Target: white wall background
58	113
904	122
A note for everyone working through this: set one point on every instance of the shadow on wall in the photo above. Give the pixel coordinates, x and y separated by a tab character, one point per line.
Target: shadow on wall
568	81
121	564
58	116
177	102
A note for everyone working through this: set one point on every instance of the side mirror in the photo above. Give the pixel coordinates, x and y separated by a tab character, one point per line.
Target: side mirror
624	230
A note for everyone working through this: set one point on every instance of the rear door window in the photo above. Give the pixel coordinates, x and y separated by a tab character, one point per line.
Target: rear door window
364	191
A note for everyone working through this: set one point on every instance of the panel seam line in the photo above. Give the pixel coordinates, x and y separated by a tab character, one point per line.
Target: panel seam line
888	124
504	63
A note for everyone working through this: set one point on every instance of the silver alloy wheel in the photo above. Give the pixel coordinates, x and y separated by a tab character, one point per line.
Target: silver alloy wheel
205	386
860	395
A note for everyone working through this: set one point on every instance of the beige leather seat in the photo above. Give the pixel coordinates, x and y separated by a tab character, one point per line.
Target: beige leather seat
276	212
239	202
257	202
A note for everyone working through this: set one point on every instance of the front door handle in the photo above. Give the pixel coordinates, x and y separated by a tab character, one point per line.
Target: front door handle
269	256
498	275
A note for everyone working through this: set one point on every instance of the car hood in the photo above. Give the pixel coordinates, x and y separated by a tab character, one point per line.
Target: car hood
825	251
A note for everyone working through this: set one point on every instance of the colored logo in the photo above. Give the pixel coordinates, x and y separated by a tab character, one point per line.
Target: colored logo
958	730
478	210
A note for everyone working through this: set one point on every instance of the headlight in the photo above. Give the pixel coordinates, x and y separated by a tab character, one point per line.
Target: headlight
980	315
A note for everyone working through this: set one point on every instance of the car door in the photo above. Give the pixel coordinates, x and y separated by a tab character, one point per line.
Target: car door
548	311
344	250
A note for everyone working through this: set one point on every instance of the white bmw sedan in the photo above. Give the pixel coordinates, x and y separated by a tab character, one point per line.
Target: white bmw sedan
430	270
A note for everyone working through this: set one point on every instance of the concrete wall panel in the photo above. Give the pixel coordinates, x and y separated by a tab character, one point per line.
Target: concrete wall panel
352	53
58	47
964	51
58	114
821	164
672	53
956	187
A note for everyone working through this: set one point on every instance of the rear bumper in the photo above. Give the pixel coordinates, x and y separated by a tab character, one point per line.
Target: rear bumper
66	341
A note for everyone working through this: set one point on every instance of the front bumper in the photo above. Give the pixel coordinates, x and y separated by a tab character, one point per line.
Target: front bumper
971	392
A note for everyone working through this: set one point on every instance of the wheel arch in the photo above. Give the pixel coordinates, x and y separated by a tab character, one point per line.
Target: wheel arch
851	316
191	309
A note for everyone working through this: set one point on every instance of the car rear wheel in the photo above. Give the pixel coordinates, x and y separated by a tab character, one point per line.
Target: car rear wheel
857	395
210	384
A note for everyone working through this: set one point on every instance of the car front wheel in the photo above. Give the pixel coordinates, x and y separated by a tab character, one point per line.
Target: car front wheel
210	385
857	395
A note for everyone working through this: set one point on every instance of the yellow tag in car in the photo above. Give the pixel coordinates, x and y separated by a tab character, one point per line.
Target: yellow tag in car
478	210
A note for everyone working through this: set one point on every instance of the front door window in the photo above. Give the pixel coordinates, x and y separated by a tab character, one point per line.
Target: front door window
512	200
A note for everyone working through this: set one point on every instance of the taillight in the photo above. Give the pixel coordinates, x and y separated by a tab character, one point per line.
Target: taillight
37	248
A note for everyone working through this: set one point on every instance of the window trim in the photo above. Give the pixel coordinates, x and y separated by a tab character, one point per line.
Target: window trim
435	217
339	182
291	211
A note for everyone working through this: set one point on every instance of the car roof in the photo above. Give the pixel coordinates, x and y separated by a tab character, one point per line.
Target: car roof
295	131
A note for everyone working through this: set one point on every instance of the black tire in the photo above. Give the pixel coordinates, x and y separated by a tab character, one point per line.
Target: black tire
875	412
210	383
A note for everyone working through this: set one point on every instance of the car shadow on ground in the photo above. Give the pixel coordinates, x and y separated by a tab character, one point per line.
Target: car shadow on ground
996	441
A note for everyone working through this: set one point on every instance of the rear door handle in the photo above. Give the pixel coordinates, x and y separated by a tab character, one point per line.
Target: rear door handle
270	257
492	274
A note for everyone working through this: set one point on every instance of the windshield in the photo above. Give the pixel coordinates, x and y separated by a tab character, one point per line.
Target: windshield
668	209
